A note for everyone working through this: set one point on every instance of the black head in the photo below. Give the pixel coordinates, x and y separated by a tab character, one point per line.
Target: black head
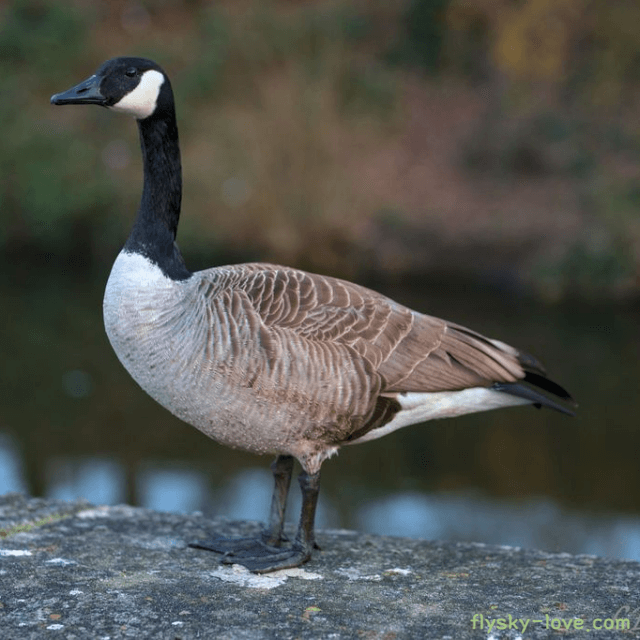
132	85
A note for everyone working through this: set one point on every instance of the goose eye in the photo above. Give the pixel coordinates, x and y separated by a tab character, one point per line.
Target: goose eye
131	72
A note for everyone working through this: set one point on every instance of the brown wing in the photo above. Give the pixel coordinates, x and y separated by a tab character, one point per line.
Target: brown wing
335	319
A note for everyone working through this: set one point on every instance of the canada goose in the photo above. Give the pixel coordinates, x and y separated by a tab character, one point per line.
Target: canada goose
271	359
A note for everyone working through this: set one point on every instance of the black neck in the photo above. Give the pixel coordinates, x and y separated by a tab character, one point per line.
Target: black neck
154	231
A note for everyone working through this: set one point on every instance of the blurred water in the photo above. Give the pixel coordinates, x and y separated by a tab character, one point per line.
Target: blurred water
73	424
246	495
12	476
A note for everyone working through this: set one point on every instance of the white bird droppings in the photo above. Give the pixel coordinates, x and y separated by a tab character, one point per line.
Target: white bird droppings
91	514
61	562
241	576
397	571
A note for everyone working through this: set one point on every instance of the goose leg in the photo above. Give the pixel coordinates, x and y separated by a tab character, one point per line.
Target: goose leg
272	536
282	468
269	558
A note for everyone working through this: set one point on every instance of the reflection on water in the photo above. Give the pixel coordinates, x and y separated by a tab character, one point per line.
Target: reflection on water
101	479
539	524
11	473
72	423
167	489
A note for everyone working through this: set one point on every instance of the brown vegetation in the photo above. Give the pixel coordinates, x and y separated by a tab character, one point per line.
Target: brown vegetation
367	138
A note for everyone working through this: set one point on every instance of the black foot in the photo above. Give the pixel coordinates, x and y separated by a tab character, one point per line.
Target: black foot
241	546
255	553
266	558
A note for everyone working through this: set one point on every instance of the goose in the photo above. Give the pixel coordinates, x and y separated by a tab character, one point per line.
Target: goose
271	359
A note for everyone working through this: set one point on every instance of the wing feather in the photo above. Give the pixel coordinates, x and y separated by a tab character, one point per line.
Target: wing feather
342	353
409	351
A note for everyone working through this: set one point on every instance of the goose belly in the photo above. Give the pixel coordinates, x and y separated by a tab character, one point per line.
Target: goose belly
163	337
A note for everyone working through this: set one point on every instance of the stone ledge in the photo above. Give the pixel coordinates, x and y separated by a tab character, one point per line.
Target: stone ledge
73	570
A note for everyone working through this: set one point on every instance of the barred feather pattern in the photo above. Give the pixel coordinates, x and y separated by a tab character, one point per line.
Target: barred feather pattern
276	360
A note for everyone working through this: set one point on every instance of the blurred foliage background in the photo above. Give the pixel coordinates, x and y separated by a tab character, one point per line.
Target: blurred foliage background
367	139
474	159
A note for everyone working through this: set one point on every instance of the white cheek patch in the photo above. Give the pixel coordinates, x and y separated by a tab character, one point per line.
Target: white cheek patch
141	102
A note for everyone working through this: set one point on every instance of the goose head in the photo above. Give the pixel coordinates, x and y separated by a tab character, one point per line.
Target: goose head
136	86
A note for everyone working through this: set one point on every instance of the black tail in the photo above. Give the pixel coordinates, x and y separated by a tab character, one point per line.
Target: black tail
541	391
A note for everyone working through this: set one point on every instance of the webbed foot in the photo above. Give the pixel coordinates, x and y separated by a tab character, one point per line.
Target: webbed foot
238	546
263	558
